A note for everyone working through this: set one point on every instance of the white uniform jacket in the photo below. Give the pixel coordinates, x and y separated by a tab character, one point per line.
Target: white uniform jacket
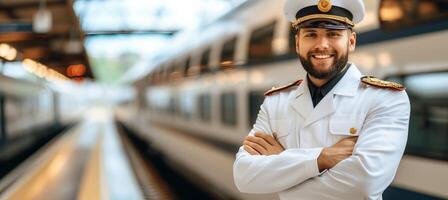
380	117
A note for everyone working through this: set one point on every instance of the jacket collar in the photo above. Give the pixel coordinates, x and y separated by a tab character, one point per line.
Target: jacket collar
301	101
303	105
348	85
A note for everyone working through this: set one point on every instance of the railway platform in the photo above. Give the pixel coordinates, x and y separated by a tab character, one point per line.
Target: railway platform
95	159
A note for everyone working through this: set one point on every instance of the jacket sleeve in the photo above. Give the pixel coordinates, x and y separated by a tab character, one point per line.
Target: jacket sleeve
275	173
375	159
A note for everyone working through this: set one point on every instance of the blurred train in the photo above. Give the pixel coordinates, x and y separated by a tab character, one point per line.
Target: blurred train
31	113
205	89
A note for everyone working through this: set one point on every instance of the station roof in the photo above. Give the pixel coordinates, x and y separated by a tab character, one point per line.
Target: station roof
86	31
58	47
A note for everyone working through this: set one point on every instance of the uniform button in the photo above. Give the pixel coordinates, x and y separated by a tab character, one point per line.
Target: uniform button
353	131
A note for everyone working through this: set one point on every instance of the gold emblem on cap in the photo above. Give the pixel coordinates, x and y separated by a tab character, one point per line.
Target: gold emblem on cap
353	131
324	5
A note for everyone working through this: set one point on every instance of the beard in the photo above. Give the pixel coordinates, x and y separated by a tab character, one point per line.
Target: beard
337	66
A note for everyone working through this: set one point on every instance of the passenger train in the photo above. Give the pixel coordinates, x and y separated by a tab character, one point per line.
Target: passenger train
31	113
204	91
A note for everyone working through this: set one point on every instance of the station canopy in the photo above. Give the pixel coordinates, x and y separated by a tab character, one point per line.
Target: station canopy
108	37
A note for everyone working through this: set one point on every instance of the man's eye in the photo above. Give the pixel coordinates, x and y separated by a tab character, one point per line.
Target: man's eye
333	34
310	35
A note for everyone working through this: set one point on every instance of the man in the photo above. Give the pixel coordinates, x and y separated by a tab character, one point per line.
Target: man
335	134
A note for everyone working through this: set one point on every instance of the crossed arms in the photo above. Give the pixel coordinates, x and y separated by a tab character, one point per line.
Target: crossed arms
264	144
353	168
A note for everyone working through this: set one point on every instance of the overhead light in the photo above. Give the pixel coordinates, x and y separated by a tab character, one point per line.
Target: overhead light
42	20
76	70
7	52
42	71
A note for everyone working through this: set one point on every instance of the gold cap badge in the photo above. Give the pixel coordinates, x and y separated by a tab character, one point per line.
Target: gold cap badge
324	5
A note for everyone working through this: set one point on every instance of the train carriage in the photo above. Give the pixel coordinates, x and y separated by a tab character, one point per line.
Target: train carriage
203	94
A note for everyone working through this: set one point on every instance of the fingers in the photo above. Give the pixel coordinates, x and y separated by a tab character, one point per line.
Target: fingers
352	138
349	140
271	140
347	144
260	149
250	150
262	144
276	140
259	140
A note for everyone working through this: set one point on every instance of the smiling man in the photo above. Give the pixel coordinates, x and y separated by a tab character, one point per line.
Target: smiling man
334	135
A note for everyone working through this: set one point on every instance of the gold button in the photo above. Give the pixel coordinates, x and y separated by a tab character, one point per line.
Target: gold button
353	131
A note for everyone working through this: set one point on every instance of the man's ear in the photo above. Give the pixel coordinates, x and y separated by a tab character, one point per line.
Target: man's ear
352	41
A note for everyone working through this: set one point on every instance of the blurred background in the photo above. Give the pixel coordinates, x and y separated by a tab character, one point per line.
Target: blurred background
151	99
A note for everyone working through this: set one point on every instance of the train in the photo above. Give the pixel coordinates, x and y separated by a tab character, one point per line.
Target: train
32	112
203	92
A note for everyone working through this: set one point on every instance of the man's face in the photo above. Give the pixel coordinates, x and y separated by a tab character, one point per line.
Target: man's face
324	52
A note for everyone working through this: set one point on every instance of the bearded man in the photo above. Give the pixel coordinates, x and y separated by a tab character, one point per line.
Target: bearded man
334	135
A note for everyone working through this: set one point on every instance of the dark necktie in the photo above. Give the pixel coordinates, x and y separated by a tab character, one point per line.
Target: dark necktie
317	96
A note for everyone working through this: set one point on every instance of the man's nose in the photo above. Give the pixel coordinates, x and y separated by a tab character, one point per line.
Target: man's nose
322	43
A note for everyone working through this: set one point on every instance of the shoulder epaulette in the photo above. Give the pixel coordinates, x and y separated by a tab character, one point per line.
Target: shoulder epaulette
371	80
274	89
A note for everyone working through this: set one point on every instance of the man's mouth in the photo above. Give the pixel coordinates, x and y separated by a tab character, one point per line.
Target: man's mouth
322	56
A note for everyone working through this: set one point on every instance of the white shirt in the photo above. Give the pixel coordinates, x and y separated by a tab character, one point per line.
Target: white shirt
379	115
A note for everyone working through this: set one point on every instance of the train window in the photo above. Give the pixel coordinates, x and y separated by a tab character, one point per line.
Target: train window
228	109
428	128
227	53
160	99
205	107
256	98
204	61
396	14
17	110
260	47
172	105
186	104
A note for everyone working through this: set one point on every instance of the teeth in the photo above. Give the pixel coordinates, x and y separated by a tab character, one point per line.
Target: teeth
321	56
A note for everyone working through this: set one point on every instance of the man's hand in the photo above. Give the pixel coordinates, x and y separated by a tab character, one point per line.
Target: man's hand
262	144
330	156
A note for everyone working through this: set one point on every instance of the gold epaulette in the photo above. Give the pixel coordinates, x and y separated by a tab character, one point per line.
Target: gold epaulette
371	80
274	89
